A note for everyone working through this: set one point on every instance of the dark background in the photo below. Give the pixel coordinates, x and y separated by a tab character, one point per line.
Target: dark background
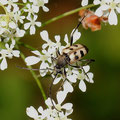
101	101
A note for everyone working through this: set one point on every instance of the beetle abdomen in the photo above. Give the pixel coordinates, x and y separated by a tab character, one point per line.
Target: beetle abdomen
75	52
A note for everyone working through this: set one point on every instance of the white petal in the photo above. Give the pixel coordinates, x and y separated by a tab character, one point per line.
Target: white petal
66	39
76	36
117	1
96	2
45	9
31	112
3	65
112	18
31	60
40	109
67	87
72	78
118	9
99	12
32	30
38	24
90	75
44	66
57	80
57	38
35	8
105	7
35	17
86	68
16	53
20	33
6	45
12	25
36	52
26	26
82	86
48	102
84	2
67	106
68	112
61	95
3	2
44	35
44	46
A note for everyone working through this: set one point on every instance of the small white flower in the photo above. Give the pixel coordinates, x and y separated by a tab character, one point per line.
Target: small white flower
18	17
41	3
44	58
88	76
84	2
10	4
45	37
32	113
31	9
10	50
32	24
111	6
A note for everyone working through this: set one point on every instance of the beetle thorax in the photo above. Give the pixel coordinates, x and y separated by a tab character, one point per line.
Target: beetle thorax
61	62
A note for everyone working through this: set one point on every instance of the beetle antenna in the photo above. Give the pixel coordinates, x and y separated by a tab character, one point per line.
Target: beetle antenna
80	22
35	69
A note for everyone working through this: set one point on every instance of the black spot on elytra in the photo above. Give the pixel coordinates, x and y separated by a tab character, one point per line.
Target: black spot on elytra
75	53
75	45
76	57
71	48
81	52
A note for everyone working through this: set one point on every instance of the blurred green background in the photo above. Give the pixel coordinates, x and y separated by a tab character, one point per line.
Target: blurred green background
18	89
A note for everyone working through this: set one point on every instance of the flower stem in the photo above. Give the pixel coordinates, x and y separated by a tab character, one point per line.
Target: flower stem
67	14
36	78
25	45
4	8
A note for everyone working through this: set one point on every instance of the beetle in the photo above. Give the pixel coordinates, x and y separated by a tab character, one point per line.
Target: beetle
69	56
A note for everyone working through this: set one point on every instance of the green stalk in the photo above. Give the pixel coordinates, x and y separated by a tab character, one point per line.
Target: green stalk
25	45
36	78
67	14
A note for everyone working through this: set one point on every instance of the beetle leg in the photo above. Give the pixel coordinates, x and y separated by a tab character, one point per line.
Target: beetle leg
88	61
58	52
50	92
64	79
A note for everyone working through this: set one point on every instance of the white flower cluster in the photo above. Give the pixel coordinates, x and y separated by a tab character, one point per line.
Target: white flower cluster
47	64
58	112
13	23
8	52
107	8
